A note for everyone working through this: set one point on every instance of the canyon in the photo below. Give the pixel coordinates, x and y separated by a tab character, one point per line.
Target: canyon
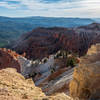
42	42
52	64
56	80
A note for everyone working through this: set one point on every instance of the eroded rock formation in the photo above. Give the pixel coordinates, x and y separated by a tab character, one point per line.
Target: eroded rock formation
51	74
54	77
86	78
42	42
8	58
95	49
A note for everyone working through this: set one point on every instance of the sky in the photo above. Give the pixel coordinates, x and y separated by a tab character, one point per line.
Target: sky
50	8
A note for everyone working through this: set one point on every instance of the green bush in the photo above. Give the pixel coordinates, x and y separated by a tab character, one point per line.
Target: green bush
71	61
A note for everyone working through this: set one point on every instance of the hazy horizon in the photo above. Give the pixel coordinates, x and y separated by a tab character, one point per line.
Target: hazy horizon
50	17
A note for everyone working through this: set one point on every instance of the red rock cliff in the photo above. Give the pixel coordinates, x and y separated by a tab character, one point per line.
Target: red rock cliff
8	59
42	42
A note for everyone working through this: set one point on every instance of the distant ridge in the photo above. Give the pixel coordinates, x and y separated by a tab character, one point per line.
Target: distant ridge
41	42
12	28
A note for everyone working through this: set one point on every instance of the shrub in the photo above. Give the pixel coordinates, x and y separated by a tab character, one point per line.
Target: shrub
71	61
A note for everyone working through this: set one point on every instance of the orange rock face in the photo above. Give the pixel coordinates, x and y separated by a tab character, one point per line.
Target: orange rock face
86	78
8	59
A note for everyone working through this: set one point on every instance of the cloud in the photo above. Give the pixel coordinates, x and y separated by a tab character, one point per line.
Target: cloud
37	5
55	8
6	5
49	1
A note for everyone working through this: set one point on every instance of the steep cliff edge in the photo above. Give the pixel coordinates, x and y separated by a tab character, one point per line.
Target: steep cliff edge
13	86
8	58
86	78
